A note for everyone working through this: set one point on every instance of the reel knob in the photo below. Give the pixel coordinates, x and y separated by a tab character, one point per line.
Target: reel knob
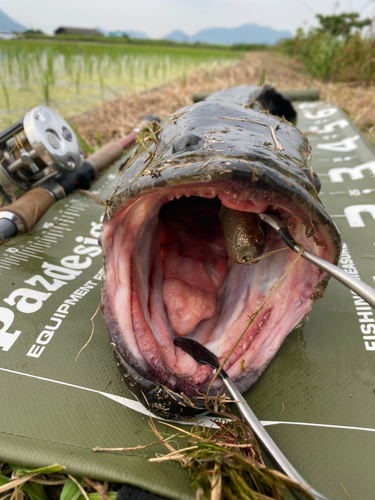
53	139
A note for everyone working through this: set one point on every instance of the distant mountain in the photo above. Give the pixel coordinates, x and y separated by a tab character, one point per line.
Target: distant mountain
177	36
7	24
130	33
136	34
248	33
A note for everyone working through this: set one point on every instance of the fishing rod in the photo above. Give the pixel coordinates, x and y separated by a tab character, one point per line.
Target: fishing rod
40	156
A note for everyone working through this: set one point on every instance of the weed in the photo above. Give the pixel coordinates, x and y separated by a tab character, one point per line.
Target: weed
262	78
334	57
6	95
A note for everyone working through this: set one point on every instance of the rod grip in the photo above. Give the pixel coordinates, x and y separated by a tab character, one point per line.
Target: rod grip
31	206
105	156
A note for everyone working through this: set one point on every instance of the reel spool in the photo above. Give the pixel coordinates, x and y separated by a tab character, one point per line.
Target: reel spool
38	147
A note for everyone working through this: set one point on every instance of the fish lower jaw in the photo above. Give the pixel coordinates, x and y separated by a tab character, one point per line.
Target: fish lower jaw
167	275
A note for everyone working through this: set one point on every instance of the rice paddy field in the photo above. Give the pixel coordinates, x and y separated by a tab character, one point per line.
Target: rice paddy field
73	77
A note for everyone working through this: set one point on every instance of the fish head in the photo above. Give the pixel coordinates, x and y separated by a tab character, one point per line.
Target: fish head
167	273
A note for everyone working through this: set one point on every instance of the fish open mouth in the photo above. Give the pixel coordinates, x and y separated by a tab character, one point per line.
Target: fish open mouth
167	275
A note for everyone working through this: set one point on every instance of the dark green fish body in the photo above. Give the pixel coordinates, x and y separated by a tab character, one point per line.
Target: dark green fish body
166	270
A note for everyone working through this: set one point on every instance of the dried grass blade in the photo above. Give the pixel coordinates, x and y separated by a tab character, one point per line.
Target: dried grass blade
17	482
177	455
98	487
139	447
79	486
92	331
216	483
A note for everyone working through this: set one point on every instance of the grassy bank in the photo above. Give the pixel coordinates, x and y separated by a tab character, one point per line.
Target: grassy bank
335	58
340	59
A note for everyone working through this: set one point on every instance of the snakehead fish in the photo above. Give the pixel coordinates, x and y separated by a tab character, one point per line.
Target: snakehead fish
180	228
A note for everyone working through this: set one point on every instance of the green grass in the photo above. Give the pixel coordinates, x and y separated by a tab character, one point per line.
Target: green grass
74	77
334	58
144	42
44	483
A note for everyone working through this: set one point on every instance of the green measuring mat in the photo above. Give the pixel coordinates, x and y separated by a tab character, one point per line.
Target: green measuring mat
316	398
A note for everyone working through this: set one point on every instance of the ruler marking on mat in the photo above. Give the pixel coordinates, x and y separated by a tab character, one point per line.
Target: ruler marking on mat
34	249
75	208
9	261
39	245
38	241
9	257
17	257
72	211
29	254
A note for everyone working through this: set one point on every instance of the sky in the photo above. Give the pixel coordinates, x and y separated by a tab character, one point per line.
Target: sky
157	18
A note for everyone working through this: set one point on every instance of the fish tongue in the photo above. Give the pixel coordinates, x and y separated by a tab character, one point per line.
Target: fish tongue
186	305
194	263
168	359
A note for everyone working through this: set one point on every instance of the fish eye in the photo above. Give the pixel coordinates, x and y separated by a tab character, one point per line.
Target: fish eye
186	142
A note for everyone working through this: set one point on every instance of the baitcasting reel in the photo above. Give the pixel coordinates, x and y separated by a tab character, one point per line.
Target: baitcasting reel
39	146
40	154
